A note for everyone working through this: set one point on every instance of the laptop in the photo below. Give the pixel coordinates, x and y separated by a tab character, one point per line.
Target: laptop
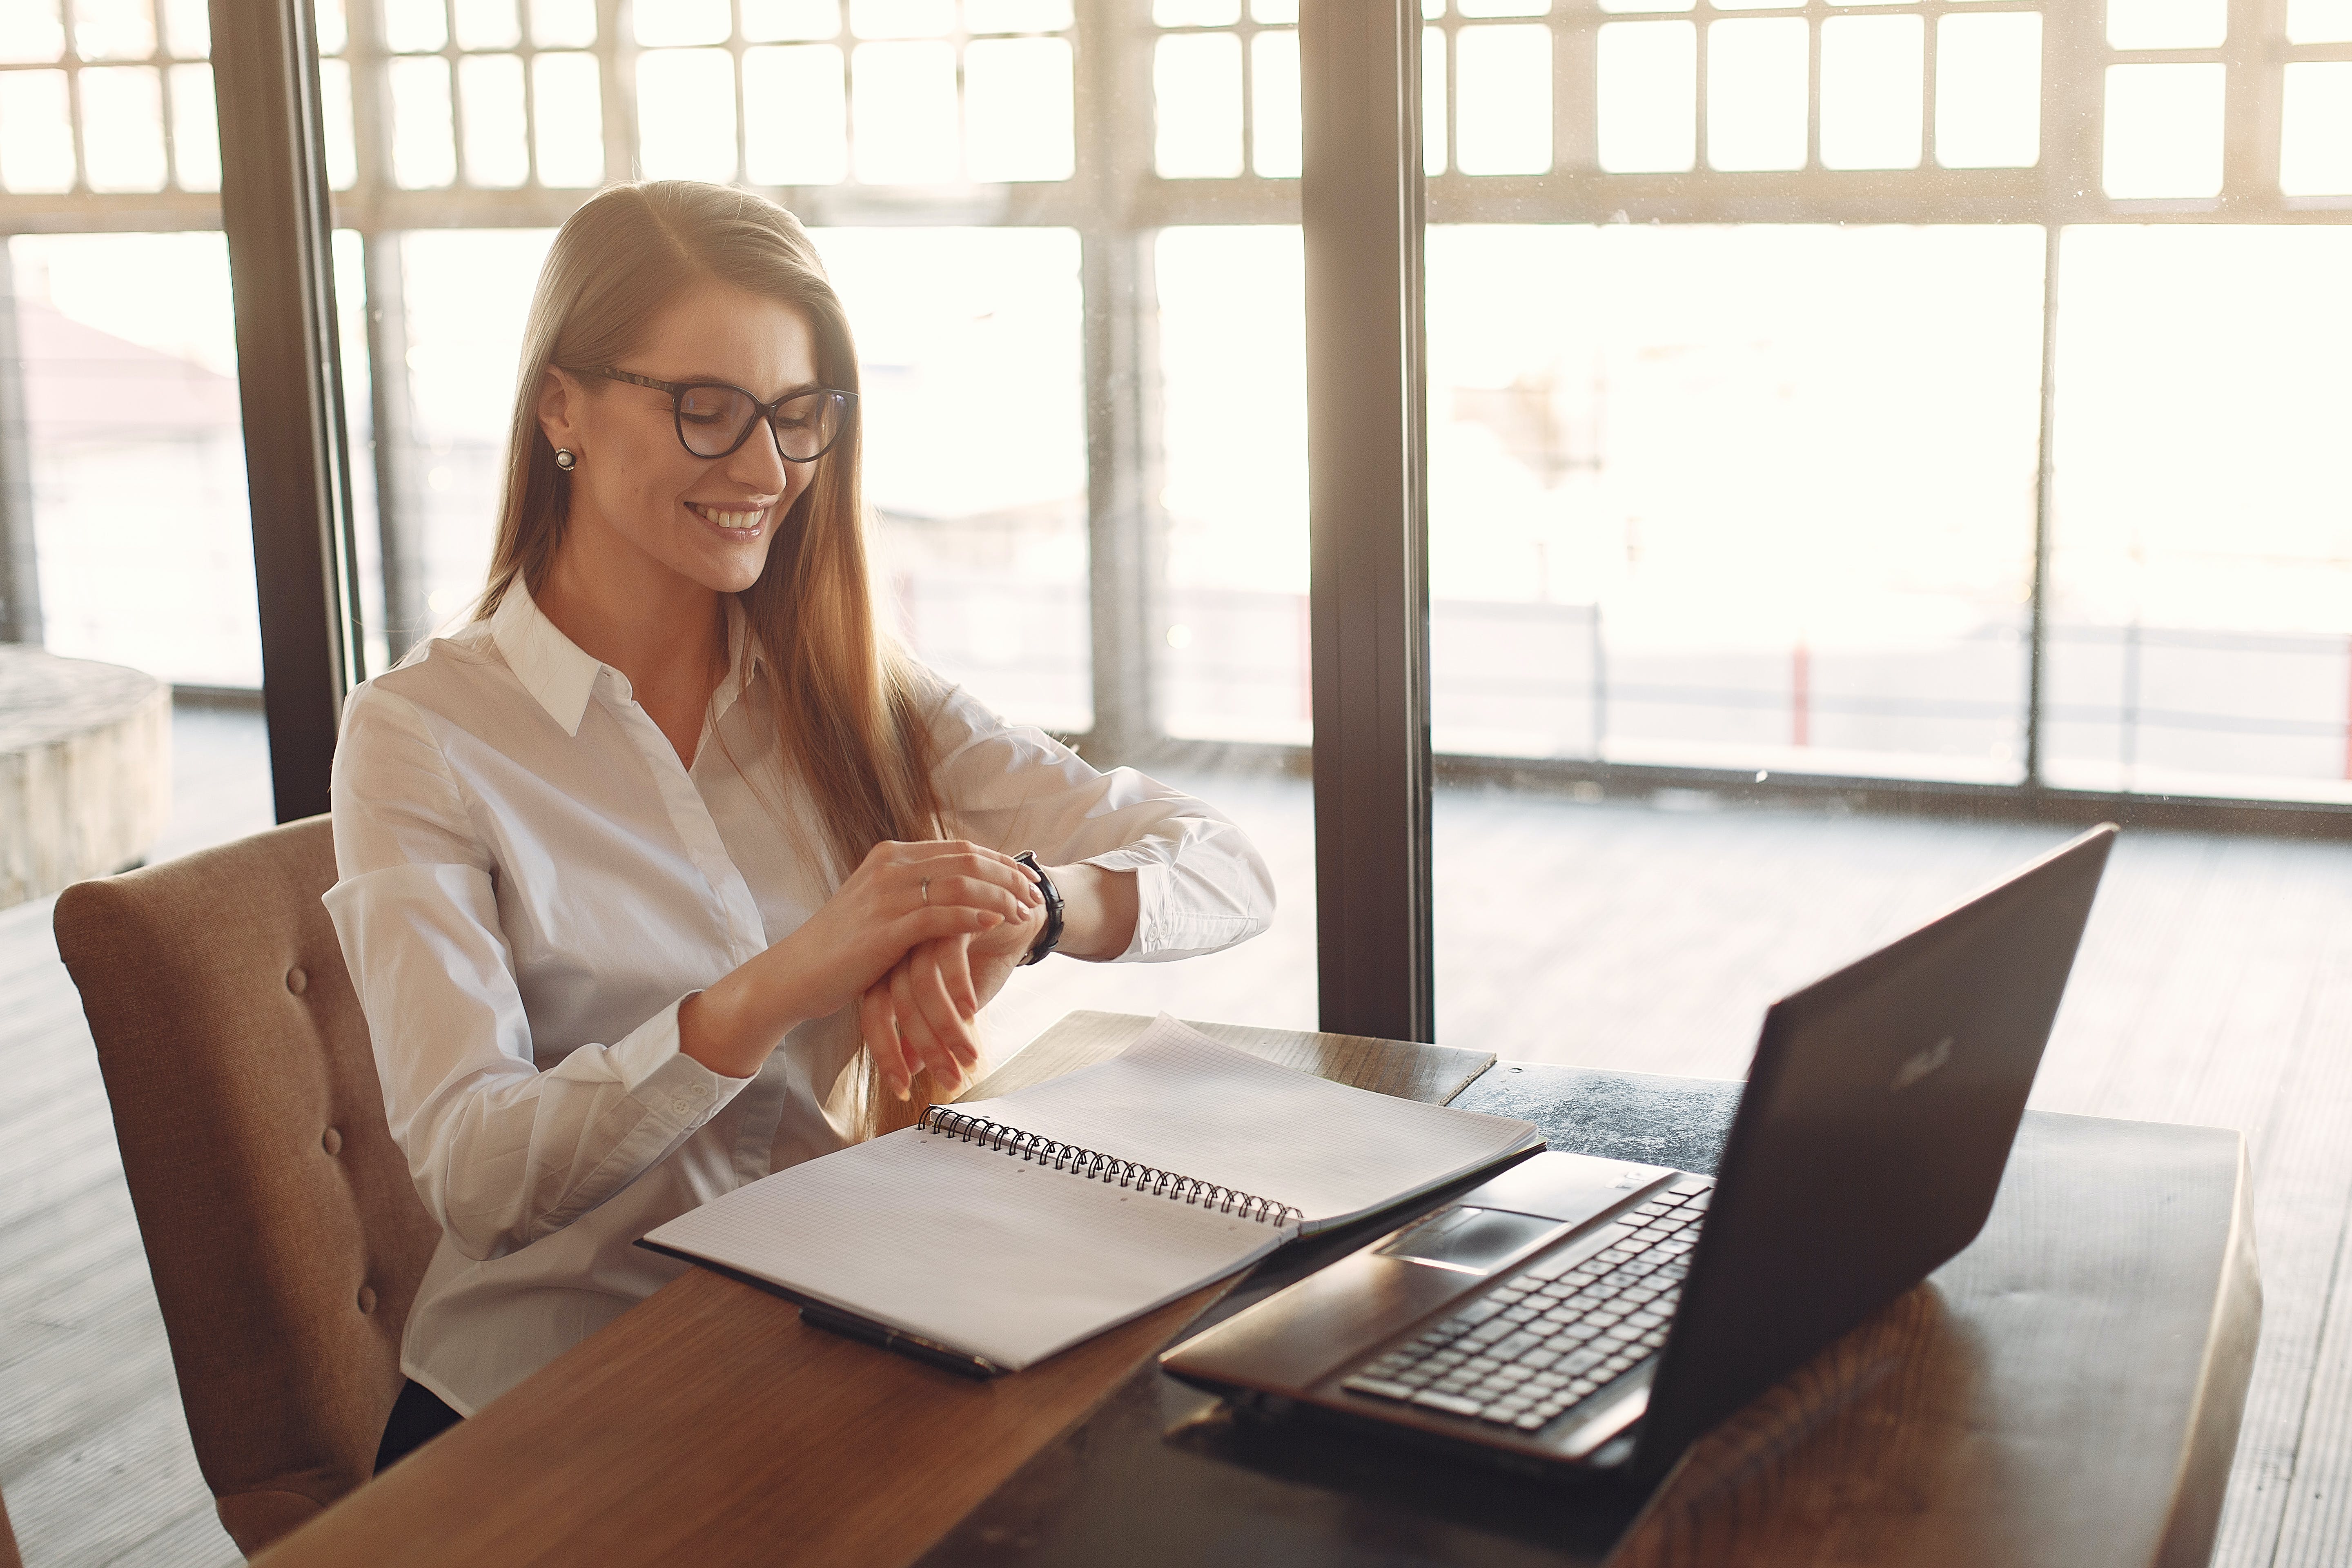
1584	1314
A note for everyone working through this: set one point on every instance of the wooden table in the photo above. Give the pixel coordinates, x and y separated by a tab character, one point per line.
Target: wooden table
2065	1393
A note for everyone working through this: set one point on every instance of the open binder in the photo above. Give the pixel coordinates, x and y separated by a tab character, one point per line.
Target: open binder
994	1233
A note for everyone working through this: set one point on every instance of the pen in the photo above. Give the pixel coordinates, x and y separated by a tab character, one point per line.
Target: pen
905	1343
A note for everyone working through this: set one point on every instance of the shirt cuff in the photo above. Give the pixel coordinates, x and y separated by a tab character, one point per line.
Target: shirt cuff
674	1087
1153	880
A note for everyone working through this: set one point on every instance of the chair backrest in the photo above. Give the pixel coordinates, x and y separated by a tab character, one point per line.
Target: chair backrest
285	1239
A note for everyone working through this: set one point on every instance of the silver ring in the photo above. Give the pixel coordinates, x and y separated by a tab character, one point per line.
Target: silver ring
927	892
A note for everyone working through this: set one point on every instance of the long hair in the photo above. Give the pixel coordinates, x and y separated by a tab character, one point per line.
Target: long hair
842	694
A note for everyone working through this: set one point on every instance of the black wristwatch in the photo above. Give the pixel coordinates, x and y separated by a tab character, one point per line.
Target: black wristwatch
1051	938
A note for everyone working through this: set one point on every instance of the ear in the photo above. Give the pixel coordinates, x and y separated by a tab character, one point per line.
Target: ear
560	408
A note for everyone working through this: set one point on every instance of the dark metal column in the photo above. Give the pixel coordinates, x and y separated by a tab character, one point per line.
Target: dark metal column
1367	439
274	206
20	579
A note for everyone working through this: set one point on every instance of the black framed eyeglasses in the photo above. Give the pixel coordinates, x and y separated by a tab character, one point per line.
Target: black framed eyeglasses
714	419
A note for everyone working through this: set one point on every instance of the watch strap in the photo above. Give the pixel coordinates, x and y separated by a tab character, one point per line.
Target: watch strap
1051	937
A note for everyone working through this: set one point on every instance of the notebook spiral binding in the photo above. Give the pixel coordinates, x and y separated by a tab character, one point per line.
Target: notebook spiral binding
946	1122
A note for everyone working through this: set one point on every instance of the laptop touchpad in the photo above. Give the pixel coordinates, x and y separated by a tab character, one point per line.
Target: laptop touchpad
1474	1240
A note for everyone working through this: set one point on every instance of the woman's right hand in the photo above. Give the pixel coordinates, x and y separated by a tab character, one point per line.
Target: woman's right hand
902	895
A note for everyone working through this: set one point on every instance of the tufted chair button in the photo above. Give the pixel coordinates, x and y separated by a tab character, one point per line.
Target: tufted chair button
332	1141
367	1298
297	982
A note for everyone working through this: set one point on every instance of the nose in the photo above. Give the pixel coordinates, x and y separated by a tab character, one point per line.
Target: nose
758	463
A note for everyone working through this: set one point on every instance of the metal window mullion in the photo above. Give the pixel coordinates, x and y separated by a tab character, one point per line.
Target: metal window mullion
1929	25
734	47
71	60
617	88
158	63
2045	477
528	53
20	581
1245	36
275	209
2254	93
368	59
1814	20
1362	201
1575	92
2074	99
452	57
2074	84
1700	18
1126	532
383	280
1449	27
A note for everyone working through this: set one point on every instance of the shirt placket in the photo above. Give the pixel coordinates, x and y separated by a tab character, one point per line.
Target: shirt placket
760	1106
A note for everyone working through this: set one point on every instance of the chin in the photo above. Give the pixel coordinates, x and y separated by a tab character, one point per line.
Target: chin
733	577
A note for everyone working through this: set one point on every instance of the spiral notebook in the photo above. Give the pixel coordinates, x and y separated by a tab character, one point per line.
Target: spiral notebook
997	1232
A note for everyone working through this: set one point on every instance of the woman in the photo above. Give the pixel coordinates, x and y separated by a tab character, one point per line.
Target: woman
669	870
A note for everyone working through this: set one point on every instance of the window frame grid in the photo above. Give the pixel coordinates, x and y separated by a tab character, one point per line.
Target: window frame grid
79	208
1115	200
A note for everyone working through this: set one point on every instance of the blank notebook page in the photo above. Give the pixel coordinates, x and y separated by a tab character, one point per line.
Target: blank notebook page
1181	1102
962	1244
1012	1259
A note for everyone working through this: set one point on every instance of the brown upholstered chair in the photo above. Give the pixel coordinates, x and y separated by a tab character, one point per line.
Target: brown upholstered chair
284	1236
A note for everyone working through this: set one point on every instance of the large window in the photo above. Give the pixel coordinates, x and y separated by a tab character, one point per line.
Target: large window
1940	391
1737	326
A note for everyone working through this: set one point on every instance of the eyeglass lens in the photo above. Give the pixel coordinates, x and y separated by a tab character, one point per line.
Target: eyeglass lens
714	420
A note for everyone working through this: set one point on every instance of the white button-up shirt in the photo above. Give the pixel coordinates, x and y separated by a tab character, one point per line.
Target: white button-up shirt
530	882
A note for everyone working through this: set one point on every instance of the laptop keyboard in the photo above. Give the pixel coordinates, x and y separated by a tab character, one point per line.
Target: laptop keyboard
1554	1335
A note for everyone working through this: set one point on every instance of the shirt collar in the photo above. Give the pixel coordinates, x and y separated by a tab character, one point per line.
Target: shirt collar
551	666
560	677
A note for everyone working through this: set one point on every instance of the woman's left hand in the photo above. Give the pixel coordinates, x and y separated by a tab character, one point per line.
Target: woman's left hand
925	1009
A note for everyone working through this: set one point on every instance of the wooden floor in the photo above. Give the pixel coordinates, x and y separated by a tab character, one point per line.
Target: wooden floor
2215	986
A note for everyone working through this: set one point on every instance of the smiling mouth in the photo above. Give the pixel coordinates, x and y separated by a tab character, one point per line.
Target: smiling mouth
735	524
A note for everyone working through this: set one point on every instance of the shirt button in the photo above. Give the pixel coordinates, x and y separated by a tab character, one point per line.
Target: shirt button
681	1106
700	1091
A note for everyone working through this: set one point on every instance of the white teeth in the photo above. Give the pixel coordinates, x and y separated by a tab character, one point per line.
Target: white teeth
730	519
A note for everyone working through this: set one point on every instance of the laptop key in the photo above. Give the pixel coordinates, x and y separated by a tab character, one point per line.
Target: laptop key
1516	1346
1453	1405
1380	1388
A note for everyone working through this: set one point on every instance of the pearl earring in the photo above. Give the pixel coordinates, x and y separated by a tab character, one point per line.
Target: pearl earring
566	459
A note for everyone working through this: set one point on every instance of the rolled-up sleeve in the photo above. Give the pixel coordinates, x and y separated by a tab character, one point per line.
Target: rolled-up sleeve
501	1152
1201	884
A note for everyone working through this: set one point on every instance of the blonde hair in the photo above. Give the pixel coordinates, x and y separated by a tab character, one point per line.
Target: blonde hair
843	694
